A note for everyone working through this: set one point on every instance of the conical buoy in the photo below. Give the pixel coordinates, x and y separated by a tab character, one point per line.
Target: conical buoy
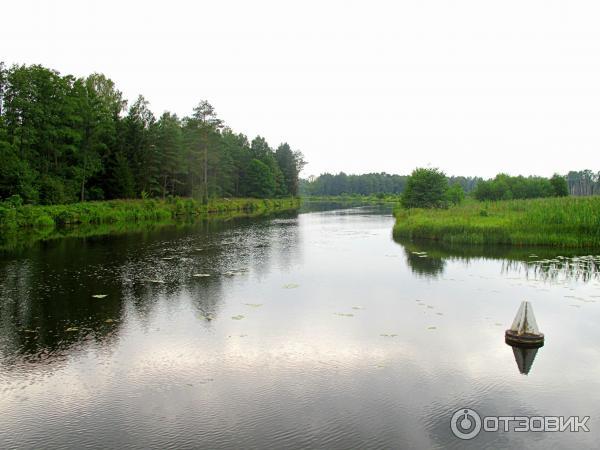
524	331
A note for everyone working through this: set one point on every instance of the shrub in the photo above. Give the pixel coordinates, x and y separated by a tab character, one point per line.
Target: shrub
425	188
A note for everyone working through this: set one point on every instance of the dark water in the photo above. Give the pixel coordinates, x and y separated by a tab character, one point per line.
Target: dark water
312	330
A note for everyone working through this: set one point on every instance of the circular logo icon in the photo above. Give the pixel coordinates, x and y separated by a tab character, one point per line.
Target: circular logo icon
465	423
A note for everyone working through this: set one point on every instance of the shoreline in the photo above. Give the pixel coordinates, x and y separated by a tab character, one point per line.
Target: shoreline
566	222
26	225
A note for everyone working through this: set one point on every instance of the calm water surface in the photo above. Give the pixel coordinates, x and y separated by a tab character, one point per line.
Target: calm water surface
310	330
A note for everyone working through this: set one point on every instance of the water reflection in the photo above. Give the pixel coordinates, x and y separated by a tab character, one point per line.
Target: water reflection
524	358
64	294
428	258
310	330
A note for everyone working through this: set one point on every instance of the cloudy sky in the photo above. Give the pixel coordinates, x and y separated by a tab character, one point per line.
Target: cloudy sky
473	87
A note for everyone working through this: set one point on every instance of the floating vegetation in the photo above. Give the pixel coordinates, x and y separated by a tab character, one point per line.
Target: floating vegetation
72	329
238	317
100	295
254	305
208	317
343	314
432	328
201	275
291	286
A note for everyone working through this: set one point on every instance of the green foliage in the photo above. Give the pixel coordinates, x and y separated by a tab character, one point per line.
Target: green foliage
559	185
260	180
455	194
367	184
558	222
29	216
65	139
426	188
506	187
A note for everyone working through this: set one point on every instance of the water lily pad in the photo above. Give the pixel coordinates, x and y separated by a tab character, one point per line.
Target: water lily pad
291	286
100	295
238	317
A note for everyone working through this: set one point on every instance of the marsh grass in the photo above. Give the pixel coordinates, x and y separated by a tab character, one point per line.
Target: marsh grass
115	211
556	222
23	226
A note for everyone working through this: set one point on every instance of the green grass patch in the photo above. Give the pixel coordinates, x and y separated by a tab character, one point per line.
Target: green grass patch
557	222
116	211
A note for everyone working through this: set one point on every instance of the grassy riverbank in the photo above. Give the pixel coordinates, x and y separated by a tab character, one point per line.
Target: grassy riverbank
557	222
116	211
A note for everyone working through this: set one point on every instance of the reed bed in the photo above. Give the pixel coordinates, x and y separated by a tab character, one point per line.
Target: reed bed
114	211
557	222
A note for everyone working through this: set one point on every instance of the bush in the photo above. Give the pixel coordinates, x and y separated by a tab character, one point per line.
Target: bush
455	194
52	191
44	221
425	188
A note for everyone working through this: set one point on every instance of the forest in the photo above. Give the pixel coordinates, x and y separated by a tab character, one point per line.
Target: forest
368	184
501	187
65	139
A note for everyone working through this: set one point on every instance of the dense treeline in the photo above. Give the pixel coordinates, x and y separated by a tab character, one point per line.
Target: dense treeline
366	184
65	139
501	187
506	187
369	184
583	182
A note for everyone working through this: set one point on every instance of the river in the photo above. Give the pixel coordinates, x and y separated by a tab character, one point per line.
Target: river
309	329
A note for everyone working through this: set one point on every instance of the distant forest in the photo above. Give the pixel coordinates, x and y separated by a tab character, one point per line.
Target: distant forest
65	139
369	184
583	182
